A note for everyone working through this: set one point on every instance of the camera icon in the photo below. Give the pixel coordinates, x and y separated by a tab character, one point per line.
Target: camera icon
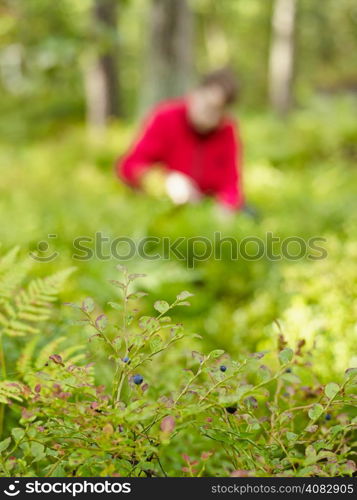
13	490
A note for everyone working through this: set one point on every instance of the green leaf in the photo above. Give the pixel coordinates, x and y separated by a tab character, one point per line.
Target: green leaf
155	342
216	353
315	412
118	284
291	436
331	390
149	323
285	356
116	306
37	450
101	322
17	433
243	389
311	470
310	451
263	372
162	306
351	373
291	378
165	319
88	305
312	428
336	429
184	295
134	276
57	472
4	444
71	304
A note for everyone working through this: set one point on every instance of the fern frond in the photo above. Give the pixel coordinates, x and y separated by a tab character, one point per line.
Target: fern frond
10	390
52	347
8	259
12	273
32	361
73	354
32	305
24	363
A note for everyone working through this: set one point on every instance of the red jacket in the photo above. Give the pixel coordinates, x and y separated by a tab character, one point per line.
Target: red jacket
213	160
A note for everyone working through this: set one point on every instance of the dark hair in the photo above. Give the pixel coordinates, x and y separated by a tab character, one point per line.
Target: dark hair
226	79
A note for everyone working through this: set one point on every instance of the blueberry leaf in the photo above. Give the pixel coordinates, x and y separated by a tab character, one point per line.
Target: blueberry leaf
18	433
184	295
118	284
4	444
291	436
115	305
216	353
88	305
101	322
285	356
331	390
167	424
162	306
134	276
315	412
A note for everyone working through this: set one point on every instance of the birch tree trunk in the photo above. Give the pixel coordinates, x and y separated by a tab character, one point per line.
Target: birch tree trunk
169	61
281	58
102	74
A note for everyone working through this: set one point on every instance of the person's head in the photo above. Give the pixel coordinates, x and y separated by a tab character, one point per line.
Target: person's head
207	104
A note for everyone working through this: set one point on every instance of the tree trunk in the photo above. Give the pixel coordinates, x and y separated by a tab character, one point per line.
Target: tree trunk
170	52
101	75
281	59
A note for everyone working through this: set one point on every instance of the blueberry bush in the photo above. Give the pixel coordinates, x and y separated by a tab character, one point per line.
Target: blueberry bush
165	410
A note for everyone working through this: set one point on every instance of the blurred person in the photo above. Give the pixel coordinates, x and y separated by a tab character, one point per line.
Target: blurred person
196	142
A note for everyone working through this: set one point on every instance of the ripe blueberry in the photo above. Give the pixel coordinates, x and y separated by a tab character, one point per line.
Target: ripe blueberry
231	409
126	359
138	379
223	368
328	416
288	370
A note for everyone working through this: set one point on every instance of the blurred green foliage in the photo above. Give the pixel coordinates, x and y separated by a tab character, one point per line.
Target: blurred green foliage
299	175
45	48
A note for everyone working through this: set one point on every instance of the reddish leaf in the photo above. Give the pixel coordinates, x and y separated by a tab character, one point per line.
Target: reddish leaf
167	424
56	358
240	473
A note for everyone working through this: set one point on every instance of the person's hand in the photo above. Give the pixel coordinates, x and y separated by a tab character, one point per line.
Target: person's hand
181	189
153	181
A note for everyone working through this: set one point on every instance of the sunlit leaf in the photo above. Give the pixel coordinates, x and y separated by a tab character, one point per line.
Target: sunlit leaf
161	306
316	411
286	355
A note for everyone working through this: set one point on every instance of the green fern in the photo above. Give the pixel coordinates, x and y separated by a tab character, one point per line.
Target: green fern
12	273
24	363
19	316
10	391
21	311
32	360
